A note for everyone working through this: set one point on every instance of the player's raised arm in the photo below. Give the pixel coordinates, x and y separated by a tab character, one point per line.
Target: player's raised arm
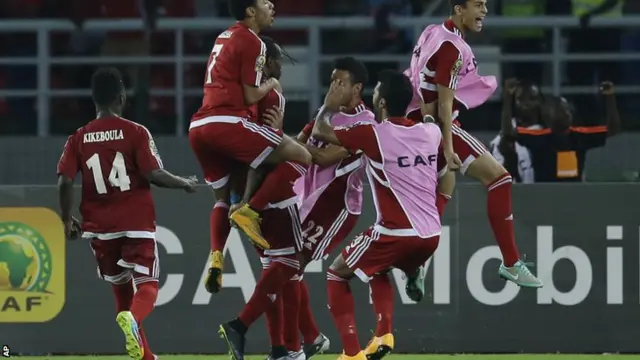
322	128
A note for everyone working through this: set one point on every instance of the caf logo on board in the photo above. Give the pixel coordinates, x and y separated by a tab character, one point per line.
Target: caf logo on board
32	265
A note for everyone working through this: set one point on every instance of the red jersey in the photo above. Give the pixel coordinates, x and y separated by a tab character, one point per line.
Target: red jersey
274	98
114	156
237	59
363	137
441	69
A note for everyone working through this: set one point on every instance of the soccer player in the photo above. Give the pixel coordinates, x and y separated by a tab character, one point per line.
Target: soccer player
118	160
223	131
444	74
331	191
401	159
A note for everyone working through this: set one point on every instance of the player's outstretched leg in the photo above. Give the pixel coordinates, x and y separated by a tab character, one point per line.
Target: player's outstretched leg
291	311
341	305
314	342
271	282
122	289
246	218
383	341
218	232
498	182
219	229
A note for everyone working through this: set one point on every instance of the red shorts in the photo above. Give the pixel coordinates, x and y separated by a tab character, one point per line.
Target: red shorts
371	252
120	260
465	145
221	141
281	228
326	226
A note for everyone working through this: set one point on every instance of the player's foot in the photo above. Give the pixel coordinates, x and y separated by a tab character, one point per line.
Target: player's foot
379	347
415	284
297	355
133	341
235	341
213	281
248	220
358	356
320	345
520	274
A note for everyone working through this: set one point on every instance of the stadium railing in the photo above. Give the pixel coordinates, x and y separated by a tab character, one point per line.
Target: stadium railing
44	61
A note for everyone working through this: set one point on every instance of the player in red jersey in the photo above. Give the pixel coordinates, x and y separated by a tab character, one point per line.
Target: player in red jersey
118	160
223	132
463	151
394	241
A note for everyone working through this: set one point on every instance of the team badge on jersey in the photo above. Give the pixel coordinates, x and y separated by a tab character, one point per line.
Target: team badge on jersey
455	69
260	62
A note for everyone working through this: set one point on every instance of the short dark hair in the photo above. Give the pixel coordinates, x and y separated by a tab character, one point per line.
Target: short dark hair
356	69
106	87
238	8
397	91
273	50
455	3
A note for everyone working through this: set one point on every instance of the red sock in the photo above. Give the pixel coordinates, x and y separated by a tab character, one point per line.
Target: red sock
441	202
306	323
291	302
144	300
277	185
275	322
382	297
123	294
342	309
148	354
219	227
269	286
501	218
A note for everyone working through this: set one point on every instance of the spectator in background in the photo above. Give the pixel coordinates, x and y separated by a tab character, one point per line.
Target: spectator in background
521	106
559	149
594	40
389	39
523	40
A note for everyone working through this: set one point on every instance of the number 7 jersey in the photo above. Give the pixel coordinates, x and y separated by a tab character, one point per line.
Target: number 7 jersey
114	156
237	59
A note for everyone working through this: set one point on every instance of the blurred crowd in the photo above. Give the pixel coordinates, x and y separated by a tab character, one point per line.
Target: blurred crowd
158	113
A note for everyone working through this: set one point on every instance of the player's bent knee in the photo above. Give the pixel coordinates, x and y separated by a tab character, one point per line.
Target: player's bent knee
485	169
339	267
289	150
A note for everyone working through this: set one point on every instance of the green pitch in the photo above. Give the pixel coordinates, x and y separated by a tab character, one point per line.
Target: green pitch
390	357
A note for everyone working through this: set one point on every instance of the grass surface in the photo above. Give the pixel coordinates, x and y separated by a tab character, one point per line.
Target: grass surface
334	357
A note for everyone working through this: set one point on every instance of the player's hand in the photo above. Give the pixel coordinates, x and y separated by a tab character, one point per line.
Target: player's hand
334	98
607	88
72	229
453	161
190	184
274	117
275	84
510	86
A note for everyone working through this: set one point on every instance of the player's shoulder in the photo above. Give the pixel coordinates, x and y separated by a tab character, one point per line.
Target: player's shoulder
449	46
238	31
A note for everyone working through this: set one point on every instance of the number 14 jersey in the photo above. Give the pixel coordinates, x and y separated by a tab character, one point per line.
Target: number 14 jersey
114	156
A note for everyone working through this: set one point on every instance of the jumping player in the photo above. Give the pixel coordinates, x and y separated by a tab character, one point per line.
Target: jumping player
118	160
401	158
223	131
270	112
444	74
